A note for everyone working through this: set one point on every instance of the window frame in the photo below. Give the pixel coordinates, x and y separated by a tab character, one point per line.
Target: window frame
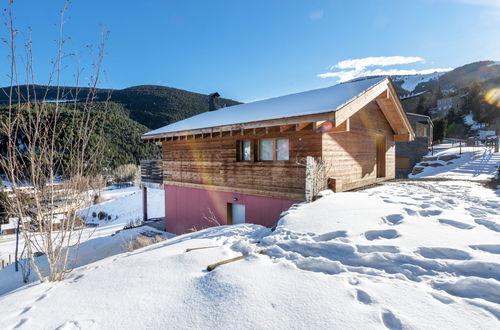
275	150
242	151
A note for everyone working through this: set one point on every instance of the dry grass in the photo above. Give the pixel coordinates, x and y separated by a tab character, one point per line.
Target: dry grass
142	241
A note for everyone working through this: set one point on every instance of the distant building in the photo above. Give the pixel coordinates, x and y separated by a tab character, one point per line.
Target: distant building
411	152
444	105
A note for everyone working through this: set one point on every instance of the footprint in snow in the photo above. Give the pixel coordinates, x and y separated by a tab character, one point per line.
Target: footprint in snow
377	234
331	235
429	213
25	310
390	320
353	281
491	248
425	205
76	278
394	219
21	323
410	211
363	297
456	224
443	253
491	225
43	296
85	324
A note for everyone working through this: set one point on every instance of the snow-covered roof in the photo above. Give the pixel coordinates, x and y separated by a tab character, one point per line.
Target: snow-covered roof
315	101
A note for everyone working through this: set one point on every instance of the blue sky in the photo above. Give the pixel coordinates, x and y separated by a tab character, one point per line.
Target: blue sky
248	50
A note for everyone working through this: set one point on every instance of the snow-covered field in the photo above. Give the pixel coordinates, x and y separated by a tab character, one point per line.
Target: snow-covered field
402	255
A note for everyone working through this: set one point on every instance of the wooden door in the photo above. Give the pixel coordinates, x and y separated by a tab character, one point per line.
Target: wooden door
381	147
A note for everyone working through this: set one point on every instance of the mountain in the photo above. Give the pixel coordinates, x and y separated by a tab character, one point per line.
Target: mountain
121	135
409	84
453	80
150	105
130	113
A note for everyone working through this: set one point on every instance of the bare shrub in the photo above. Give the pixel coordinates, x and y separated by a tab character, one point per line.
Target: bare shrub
142	241
317	174
158	239
128	173
133	224
212	219
56	161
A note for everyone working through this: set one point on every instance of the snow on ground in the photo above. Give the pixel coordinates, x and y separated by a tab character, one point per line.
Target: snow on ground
475	163
103	243
97	243
410	82
126	205
402	255
469	120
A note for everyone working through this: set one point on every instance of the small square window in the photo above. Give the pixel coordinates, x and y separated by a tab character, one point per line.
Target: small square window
246	150
282	149
266	149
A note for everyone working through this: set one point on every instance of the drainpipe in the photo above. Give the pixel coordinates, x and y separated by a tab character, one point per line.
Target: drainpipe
144	203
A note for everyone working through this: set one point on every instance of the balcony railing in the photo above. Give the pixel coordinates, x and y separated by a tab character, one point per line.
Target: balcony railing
152	171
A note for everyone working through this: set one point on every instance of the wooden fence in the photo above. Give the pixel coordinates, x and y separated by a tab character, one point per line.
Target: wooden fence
5	262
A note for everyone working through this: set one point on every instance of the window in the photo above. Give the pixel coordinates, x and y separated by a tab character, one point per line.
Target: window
246	150
266	150
274	149
282	149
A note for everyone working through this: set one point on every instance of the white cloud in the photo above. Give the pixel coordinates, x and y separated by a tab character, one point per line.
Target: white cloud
352	74
362	63
355	68
315	15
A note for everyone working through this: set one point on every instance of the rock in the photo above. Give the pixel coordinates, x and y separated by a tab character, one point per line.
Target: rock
449	163
436	164
424	164
430	158
446	158
417	170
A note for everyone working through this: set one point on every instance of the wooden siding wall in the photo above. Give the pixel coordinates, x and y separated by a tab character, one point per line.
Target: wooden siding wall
212	162
353	154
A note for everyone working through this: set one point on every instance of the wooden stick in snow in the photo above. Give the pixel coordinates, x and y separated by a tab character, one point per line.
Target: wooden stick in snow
200	248
243	256
217	264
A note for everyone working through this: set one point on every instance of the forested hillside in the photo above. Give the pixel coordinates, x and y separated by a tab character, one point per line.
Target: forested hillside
128	113
150	105
121	135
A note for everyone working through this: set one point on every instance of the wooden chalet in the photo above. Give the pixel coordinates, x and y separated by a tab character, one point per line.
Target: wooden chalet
246	163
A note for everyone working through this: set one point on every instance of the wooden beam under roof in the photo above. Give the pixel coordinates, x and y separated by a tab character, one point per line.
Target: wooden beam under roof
301	126
342	128
402	137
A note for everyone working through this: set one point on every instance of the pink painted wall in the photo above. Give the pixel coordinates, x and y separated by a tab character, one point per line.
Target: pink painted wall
186	208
